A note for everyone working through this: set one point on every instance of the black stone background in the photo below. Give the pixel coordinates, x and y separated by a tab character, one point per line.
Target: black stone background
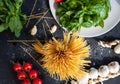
12	51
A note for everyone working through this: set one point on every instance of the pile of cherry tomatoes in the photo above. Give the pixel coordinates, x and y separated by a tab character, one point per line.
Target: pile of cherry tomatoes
26	74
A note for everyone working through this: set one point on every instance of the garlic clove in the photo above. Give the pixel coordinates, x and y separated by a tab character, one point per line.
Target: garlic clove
53	29
34	30
101	43
117	49
73	82
104	44
93	73
113	43
107	45
83	80
113	67
103	71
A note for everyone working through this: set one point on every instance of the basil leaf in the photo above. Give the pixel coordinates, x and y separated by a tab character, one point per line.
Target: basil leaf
18	3
3	27
17	32
103	13
101	23
1	3
9	5
87	24
108	4
15	25
12	23
97	8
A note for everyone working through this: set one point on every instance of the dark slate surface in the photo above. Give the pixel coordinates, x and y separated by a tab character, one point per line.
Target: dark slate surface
12	51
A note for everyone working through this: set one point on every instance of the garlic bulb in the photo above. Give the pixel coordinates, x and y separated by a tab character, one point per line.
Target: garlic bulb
83	80
113	67
103	71
73	82
93	73
117	49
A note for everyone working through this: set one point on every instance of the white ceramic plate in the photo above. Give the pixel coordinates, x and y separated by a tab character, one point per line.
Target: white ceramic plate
110	22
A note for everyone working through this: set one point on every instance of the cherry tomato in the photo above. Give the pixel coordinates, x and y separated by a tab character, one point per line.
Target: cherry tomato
37	81
33	74
21	75
58	1
26	81
27	66
17	67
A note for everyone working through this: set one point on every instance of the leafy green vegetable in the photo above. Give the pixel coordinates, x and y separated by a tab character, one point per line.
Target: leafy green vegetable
11	16
76	13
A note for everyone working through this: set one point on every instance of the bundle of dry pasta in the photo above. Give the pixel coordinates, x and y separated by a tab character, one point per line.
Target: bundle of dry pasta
64	58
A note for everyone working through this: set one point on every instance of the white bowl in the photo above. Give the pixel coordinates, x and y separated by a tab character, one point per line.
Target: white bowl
109	23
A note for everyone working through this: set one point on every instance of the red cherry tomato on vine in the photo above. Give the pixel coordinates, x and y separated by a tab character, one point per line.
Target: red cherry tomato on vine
17	67
21	75
27	66
33	74
58	1
26	81
37	81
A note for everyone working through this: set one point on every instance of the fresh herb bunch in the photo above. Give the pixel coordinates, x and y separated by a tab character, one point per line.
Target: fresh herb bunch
74	14
11	16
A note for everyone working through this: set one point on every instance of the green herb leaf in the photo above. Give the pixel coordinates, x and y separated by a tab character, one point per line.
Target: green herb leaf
17	32
101	23
3	27
9	5
87	24
12	23
15	25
